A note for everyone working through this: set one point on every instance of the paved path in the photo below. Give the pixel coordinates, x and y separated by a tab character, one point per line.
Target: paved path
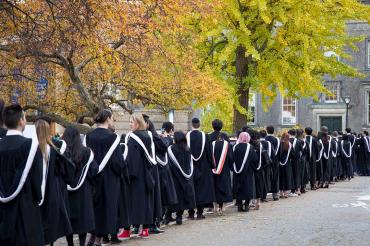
339	215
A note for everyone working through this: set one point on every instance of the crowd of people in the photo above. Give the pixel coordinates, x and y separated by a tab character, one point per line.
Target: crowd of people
118	187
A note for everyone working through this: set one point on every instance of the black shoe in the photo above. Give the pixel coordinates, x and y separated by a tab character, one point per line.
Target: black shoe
155	230
179	221
264	200
200	217
115	240
240	208
191	217
105	240
276	198
166	221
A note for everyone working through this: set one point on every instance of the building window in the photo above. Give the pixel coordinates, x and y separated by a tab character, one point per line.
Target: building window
289	114
334	89
252	108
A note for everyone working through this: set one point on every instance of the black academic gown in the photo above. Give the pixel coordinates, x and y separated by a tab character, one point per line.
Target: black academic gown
285	172
54	211
362	156
124	217
203	178
335	161
107	182
258	173
222	181
184	186
168	191
326	161
245	181
347	161
275	164
81	200
311	155
296	163
304	168
353	167
3	132
267	167
20	219
142	182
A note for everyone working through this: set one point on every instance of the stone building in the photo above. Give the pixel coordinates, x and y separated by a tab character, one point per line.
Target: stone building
329	110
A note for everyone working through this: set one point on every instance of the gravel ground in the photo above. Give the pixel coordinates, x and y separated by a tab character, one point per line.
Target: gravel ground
339	215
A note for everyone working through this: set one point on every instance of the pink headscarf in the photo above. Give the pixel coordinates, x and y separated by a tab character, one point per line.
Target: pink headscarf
244	137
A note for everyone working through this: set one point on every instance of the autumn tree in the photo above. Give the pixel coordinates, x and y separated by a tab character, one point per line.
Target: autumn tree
97	53
277	46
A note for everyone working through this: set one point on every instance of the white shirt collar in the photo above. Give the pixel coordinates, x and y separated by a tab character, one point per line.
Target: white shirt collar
270	135
14	133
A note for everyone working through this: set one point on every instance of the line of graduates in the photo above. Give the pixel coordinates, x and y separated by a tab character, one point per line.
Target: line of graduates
118	187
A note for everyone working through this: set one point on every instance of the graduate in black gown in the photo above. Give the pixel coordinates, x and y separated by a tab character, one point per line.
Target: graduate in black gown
2	129
181	164
303	165
295	164
217	126
223	158
268	149
336	165
326	159
311	155
20	218
160	150
352	139
286	155
108	154
362	155
346	153
275	161
245	162
367	142
200	147
57	172
168	191
80	193
140	161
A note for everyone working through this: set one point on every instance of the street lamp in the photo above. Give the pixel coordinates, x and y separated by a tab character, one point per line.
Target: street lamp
347	100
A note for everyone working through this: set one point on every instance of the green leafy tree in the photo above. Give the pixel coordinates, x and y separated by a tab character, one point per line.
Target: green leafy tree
272	46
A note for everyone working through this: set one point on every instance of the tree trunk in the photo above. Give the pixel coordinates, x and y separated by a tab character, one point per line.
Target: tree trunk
241	65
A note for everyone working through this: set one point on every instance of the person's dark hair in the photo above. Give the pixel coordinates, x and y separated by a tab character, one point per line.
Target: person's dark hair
270	129
146	118
45	118
195	122
285	141
366	133
245	128
151	128
2	106
345	137
325	129
255	136
180	140
348	130
308	130
217	125
263	133
12	115
292	132
102	116
167	126
340	133
72	138
299	133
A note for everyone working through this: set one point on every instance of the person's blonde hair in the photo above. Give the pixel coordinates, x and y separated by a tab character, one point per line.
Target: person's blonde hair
43	132
138	118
